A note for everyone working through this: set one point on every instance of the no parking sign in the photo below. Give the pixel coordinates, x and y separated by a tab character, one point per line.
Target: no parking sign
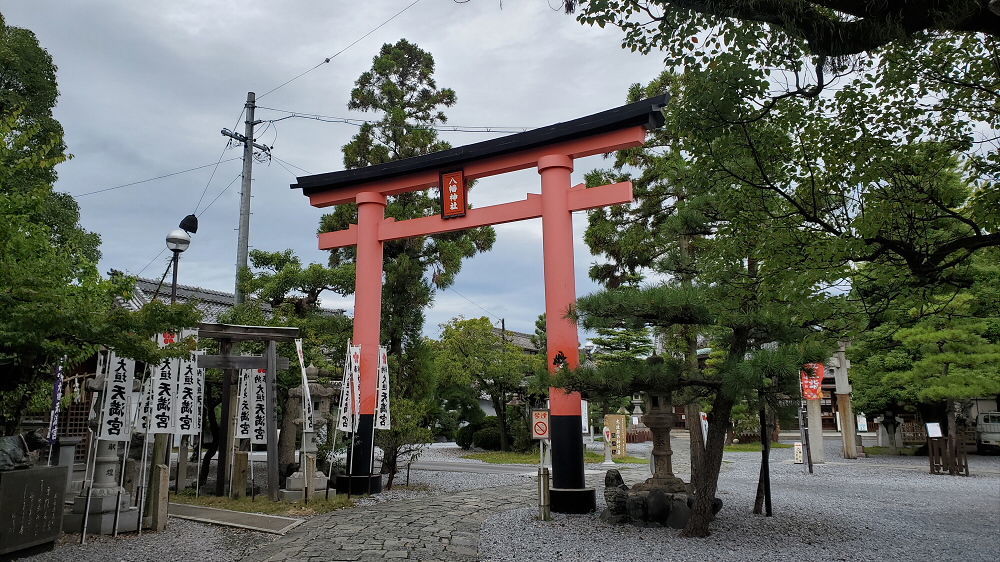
539	424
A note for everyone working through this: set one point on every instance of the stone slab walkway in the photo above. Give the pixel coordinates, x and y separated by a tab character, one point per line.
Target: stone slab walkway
441	526
254	521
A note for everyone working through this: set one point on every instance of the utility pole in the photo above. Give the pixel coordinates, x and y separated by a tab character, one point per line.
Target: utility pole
243	243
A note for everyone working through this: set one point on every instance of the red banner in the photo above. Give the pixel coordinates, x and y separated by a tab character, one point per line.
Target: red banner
812	381
452	194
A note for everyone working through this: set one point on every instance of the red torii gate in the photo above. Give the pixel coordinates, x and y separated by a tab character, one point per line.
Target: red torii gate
552	150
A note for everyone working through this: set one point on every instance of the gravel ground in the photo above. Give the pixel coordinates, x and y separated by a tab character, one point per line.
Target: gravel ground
858	510
182	541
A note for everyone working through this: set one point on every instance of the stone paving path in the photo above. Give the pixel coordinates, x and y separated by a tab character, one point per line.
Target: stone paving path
442	526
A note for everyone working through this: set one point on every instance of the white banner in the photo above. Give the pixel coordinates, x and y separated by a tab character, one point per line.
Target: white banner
355	383
307	405
164	391
243	412
185	412
143	410
345	419
199	397
114	409
382	416
258	405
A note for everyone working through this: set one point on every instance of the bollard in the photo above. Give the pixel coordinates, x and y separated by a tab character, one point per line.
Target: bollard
543	494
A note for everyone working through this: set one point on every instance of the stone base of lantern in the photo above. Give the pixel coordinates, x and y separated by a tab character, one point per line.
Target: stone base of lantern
646	505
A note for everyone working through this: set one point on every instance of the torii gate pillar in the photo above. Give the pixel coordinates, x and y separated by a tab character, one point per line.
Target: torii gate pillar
568	493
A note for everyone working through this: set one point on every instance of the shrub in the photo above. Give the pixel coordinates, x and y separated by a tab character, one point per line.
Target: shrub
463	437
487	438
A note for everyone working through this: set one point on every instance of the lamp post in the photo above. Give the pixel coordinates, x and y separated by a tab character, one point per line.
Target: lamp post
177	241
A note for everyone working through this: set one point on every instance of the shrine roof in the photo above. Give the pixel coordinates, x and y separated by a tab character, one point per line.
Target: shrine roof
646	113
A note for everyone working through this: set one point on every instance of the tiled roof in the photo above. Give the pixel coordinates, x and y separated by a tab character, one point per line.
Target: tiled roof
210	302
517	338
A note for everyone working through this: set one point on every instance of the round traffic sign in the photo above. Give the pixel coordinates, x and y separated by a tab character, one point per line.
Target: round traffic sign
541	428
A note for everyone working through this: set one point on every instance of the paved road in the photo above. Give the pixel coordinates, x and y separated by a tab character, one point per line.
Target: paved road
484	468
438	527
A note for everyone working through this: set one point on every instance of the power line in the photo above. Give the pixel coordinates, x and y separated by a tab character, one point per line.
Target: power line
331	57
229	143
160	253
357	122
474	303
154	179
145	267
290	164
209	206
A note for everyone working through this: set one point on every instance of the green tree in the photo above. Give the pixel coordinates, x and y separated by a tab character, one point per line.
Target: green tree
760	112
471	353
400	87
728	255
934	348
281	291
53	301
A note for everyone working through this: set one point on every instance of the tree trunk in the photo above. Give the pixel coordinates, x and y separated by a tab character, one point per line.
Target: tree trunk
707	476
286	441
213	447
501	409
693	415
390	460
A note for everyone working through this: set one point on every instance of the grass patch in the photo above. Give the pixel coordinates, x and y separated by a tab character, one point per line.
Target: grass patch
266	506
753	447
510	457
903	451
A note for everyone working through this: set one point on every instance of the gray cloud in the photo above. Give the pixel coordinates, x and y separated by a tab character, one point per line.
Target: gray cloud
145	88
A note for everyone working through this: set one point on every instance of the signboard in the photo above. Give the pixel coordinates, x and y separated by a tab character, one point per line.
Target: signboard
618	425
934	430
812	381
453	194
382	417
798	452
585	416
117	387
862	423
704	427
539	424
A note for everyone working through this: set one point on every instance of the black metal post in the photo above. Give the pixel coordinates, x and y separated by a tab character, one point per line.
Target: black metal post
765	458
173	286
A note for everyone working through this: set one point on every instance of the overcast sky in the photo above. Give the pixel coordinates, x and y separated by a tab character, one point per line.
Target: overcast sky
146	87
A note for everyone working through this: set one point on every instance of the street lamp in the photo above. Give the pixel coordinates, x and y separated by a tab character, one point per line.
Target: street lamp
177	241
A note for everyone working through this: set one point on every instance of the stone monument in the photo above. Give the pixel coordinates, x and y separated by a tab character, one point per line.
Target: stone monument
663	500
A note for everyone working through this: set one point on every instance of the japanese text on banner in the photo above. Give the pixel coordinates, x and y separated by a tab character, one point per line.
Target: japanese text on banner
812	381
243	412
345	412
117	387
382	417
185	418
258	395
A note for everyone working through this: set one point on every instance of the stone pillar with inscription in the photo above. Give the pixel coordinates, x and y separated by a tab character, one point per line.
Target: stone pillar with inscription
105	494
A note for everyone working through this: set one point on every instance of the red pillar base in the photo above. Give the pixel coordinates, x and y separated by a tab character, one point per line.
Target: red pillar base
575	500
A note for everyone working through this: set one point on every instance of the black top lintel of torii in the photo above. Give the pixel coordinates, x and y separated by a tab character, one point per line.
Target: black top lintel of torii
647	112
